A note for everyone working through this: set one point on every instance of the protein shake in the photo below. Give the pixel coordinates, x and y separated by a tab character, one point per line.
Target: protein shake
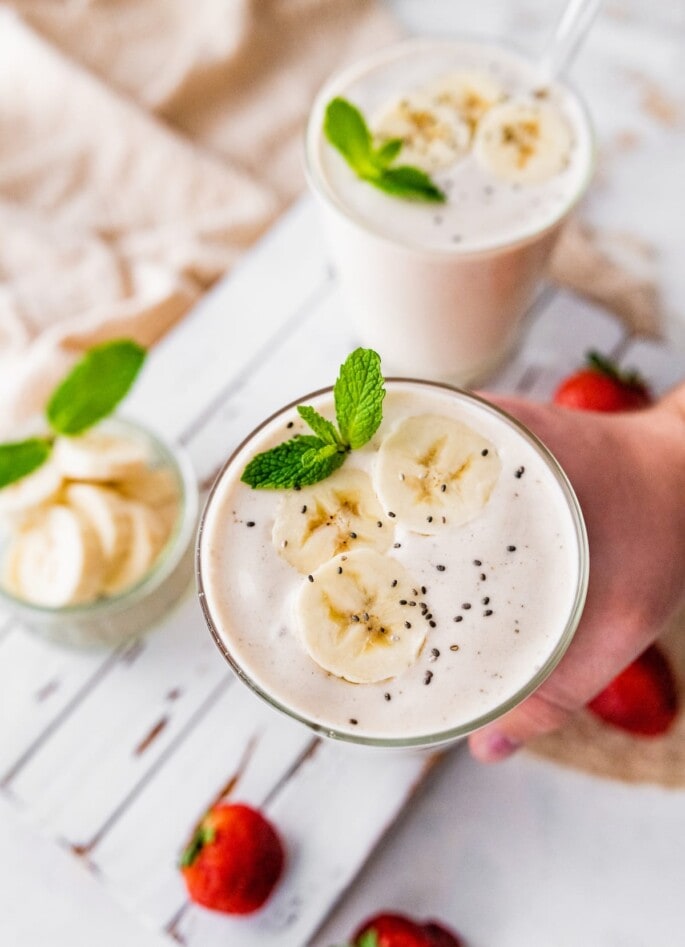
440	288
421	590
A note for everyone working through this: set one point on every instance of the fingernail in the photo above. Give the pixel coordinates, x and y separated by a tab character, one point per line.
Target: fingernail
493	747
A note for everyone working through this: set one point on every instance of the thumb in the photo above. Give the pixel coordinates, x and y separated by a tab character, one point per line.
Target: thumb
539	714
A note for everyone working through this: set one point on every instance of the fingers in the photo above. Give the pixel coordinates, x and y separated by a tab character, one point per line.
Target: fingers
537	715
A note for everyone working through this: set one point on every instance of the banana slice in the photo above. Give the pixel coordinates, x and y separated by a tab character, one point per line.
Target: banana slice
339	514
523	142
38	487
469	94
109	517
351	622
57	560
145	542
433	472
434	136
153	486
100	457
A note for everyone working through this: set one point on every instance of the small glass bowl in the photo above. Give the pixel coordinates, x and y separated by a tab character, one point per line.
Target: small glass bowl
111	620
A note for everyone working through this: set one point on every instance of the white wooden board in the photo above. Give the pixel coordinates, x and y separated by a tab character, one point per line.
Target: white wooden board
116	755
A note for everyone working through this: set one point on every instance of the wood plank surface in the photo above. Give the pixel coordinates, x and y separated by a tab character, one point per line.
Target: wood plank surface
121	752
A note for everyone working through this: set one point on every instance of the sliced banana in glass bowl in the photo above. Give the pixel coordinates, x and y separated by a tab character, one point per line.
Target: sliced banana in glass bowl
97	544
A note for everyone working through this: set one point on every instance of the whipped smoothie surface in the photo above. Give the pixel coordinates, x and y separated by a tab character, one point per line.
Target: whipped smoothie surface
482	210
494	595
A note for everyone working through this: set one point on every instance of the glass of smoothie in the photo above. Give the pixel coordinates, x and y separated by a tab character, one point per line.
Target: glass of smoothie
441	288
420	591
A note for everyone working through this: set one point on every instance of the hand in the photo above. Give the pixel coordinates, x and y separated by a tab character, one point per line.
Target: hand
628	471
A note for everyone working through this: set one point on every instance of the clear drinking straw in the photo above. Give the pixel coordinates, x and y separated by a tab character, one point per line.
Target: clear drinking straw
570	31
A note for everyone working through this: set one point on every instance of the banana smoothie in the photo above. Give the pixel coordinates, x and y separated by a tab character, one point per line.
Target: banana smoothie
439	281
422	589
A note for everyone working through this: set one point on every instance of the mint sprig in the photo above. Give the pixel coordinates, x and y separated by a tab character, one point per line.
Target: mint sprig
346	129
90	392
306	459
20	458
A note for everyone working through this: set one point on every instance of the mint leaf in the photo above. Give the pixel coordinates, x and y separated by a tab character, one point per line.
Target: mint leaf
388	151
410	183
346	130
95	386
321	454
359	394
321	426
21	458
283	466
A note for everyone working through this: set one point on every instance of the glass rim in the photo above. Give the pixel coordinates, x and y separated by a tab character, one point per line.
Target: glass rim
178	541
320	187
451	734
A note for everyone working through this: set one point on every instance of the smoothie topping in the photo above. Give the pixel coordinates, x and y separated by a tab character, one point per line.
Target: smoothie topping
341	514
520	139
346	129
449	472
354	625
523	142
307	459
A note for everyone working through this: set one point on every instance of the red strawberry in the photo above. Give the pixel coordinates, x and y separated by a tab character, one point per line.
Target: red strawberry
643	698
601	386
233	860
397	930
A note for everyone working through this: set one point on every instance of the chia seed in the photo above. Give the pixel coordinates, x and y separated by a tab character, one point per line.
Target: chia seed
393	583
353	535
353	721
441	568
483	577
290	424
304	509
391	514
466	605
428	677
397	545
339	570
477	562
487	613
458	618
387	696
511	548
484	452
519	472
407	624
310	577
454	647
486	600
433	624
250	523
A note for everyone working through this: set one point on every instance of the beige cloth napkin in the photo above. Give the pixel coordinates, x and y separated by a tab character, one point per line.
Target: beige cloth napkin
144	145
